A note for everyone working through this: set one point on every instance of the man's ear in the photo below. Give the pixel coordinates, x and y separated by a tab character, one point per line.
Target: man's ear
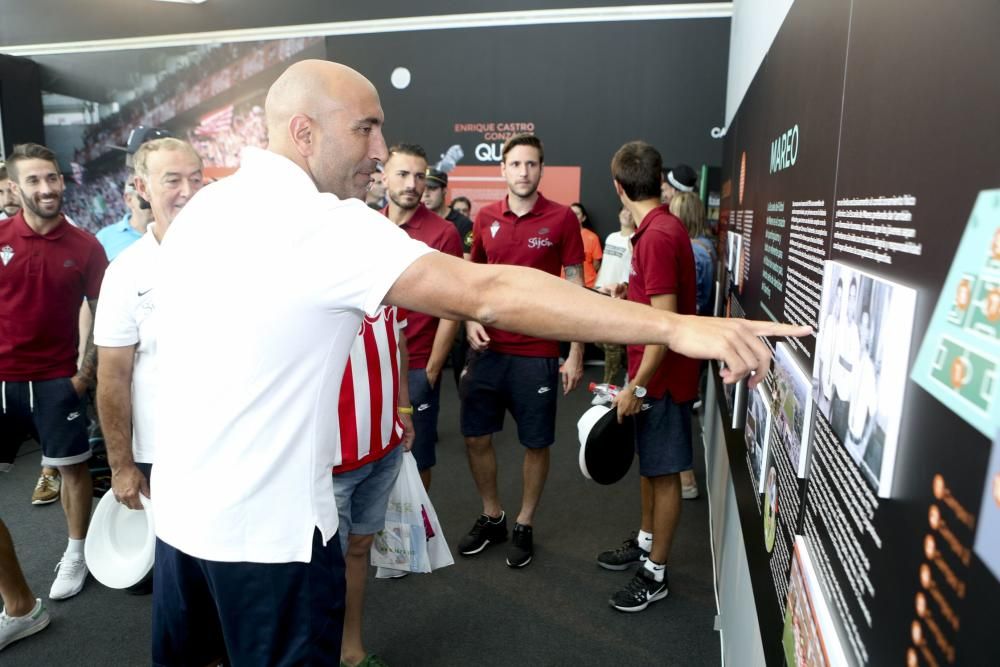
141	188
300	130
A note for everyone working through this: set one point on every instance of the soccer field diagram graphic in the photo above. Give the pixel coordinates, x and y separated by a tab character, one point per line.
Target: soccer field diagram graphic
959	360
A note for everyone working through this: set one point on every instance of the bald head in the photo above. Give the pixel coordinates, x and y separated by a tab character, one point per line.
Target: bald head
326	117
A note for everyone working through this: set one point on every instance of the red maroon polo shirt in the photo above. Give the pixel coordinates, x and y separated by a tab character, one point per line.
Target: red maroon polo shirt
437	233
43	282
547	238
663	263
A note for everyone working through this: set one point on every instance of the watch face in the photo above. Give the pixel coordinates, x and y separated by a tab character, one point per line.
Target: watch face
640	392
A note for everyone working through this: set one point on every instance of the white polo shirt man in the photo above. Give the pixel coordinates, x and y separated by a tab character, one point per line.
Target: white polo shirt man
125	317
257	315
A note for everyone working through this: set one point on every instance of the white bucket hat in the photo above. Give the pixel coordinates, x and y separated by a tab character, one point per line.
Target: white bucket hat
120	543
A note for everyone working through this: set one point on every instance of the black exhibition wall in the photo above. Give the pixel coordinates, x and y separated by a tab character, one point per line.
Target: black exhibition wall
585	89
865	153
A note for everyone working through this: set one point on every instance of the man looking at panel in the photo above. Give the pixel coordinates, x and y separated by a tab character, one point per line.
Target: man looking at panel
168	172
428	339
509	370
662	384
254	571
47	269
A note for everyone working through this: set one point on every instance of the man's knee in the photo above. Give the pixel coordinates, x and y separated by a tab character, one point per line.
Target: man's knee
76	472
478	443
359	546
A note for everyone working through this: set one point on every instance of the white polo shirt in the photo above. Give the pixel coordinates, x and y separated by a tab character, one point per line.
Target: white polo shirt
257	315
125	317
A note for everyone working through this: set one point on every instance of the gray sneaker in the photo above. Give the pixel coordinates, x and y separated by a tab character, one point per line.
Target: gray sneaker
627	554
13	628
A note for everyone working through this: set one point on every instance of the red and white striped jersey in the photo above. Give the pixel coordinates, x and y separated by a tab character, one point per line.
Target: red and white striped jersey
368	422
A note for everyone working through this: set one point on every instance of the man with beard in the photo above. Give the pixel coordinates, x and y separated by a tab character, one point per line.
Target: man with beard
509	370
47	269
428	339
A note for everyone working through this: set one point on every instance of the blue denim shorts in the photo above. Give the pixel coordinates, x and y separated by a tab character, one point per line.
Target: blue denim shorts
363	495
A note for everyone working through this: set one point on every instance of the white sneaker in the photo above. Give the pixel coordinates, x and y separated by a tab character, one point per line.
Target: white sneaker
689	492
13	628
71	572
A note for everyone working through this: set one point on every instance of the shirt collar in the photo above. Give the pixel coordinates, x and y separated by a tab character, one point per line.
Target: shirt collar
416	220
537	209
24	230
288	175
644	225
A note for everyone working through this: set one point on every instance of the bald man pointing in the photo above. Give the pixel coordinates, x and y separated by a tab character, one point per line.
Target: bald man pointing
257	320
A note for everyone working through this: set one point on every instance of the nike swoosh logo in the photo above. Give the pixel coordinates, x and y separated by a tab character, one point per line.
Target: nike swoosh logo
542	390
146	292
423	406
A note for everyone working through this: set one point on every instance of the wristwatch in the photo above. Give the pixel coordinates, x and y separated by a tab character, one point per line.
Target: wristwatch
639	391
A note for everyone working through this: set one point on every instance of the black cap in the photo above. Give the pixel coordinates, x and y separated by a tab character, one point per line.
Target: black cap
140	135
436	178
683	178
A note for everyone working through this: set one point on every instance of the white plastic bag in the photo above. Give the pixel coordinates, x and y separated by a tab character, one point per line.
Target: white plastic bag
412	540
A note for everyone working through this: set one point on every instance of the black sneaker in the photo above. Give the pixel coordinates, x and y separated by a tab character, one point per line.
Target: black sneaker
521	547
643	589
619	559
487	531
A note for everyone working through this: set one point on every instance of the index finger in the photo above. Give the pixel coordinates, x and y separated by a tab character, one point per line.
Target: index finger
768	328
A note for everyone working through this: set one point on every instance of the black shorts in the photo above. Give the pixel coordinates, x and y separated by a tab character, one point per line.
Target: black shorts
426	402
527	386
248	613
49	411
663	437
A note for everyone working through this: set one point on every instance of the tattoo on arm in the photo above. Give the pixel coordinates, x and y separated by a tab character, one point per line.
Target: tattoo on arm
574	273
88	365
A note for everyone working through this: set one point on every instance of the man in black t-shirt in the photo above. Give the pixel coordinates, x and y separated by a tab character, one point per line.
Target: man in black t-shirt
434	198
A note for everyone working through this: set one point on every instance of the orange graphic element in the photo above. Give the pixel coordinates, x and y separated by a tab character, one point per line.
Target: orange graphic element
484	185
938	486
916	633
218	173
959	372
743	175
934	517
920	602
996	489
993	305
925	575
996	244
930	547
964	296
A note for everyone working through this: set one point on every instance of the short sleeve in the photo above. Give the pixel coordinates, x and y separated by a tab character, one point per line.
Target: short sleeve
658	255
452	244
355	262
478	251
97	264
572	240
115	324
598	253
